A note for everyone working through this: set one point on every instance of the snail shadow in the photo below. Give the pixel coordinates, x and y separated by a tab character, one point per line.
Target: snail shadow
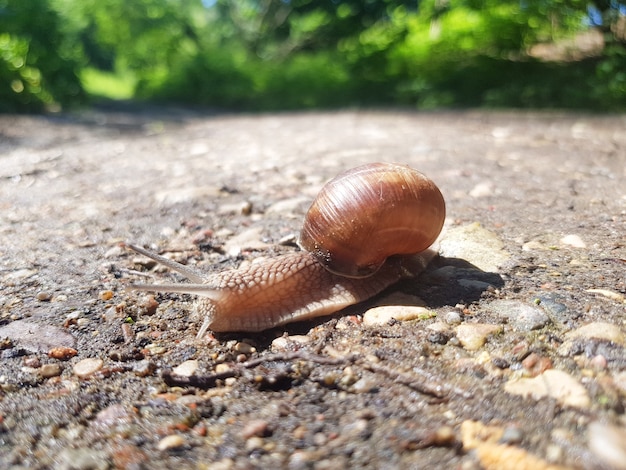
451	281
444	282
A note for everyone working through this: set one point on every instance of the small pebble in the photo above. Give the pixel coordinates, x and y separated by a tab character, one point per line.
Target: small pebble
257	427
50	370
598	362
171	442
552	305
32	361
43	296
186	369
81	458
609	294
453	317
290	343
221	368
553	383
62	353
149	304
536	364
599	330
512	435
87	367
365	385
382	315
574	241
105	295
608	444
523	317
444	435
113	415
254	443
474	335
244	348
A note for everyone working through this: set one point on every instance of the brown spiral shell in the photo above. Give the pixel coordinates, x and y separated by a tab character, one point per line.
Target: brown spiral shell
369	213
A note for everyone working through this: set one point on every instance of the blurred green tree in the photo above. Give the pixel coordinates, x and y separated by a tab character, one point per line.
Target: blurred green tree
38	61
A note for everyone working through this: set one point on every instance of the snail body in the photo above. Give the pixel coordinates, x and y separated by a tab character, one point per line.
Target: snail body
331	274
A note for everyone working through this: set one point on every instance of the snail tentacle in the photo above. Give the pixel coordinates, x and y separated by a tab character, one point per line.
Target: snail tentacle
186	271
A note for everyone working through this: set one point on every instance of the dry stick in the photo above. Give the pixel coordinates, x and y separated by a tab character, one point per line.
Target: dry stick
424	382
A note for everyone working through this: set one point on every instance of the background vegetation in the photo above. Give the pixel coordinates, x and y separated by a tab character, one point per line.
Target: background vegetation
285	54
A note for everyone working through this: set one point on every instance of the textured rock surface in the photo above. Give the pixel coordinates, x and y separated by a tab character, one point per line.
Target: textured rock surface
536	208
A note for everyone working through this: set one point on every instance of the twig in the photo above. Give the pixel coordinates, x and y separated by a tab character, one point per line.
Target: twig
420	380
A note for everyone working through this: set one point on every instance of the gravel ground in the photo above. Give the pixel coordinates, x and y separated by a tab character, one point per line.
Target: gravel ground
506	353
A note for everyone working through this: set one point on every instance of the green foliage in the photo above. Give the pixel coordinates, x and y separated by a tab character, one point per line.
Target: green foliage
277	54
37	61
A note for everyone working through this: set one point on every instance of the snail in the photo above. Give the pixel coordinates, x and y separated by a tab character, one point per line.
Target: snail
368	228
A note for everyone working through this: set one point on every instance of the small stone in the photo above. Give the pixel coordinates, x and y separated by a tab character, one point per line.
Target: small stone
105	295
512	435
186	369
221	368
257	427
481	190
573	241
241	207
609	294
536	364
553	383
82	458
50	370
149	304
608	444
35	337
290	343
144	368
171	442
474	335
598	362
87	367
382	315
453	317
523	317
113	415
533	245
444	436
62	353
128	456
552	305
365	385
599	330
43	296
254	443
244	348
33	362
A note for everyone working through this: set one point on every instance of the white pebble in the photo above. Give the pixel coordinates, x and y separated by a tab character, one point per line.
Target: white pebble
473	335
186	369
574	241
382	315
173	441
87	367
553	383
608	443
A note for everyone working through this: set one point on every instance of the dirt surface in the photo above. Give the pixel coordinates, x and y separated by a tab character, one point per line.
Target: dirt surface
94	376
